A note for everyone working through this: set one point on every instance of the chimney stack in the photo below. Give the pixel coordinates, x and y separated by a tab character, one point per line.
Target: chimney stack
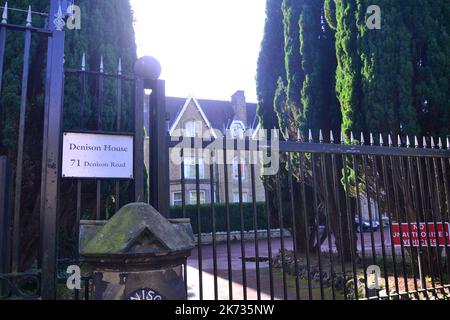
239	105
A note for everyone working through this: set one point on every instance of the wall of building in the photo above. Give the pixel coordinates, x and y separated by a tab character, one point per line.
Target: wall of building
193	114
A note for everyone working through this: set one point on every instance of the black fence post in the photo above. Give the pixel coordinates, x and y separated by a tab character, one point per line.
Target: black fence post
51	165
139	141
159	152
5	222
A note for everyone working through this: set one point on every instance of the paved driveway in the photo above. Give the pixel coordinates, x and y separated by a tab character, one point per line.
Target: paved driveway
250	267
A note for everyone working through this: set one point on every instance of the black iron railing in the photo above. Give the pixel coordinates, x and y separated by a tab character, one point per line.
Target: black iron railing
356	221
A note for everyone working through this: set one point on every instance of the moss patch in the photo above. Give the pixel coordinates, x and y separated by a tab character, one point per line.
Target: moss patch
129	225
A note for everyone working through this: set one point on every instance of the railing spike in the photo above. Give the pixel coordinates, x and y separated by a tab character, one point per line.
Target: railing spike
363	141
440	145
29	18
59	19
424	141
119	67
408	142
352	138
320	136
448	143
286	133
102	69
399	141
416	142
310	136
298	135
331	136
5	13
390	140
83	62
342	137
433	145
372	141
381	140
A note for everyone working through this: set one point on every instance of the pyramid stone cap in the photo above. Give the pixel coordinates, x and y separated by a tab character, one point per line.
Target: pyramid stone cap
138	228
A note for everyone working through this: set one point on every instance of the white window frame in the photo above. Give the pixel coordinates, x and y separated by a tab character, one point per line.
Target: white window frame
180	200
193	197
189	164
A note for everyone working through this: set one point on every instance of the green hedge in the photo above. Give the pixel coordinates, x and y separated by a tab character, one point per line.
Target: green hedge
221	215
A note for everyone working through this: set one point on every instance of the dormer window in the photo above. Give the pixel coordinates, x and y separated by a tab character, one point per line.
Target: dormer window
237	130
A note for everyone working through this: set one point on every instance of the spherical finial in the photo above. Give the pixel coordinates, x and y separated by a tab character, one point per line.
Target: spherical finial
148	68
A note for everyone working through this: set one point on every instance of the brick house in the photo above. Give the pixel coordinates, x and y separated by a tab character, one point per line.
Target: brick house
190	117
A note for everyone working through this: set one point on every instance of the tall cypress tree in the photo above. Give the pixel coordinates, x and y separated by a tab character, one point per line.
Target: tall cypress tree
320	106
391	80
270	64
431	49
348	71
386	72
290	114
304	98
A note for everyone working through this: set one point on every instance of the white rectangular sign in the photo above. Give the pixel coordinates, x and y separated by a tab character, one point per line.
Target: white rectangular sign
87	155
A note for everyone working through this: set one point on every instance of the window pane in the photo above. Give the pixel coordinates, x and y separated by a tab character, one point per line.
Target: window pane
193	197
189	168
177	199
189	129
202	197
201	169
189	171
237	131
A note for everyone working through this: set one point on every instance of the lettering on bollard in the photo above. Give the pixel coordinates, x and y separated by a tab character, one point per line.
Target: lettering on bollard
145	294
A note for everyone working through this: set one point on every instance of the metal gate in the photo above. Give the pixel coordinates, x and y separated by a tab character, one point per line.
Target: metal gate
14	282
109	103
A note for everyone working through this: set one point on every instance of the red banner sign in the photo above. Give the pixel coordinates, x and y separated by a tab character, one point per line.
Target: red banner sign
433	239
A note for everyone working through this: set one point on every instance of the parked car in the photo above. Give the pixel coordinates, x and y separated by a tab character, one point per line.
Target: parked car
365	225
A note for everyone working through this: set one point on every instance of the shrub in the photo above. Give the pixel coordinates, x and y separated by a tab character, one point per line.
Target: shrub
221	216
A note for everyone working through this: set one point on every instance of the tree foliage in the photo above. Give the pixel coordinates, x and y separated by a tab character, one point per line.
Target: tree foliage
395	79
303	93
270	64
338	72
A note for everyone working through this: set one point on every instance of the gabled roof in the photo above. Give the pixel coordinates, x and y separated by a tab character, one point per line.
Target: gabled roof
220	114
190	99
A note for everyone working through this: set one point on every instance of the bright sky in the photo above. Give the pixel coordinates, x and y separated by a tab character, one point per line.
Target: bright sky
207	48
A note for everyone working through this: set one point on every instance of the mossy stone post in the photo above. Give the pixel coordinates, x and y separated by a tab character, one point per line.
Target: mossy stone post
138	255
